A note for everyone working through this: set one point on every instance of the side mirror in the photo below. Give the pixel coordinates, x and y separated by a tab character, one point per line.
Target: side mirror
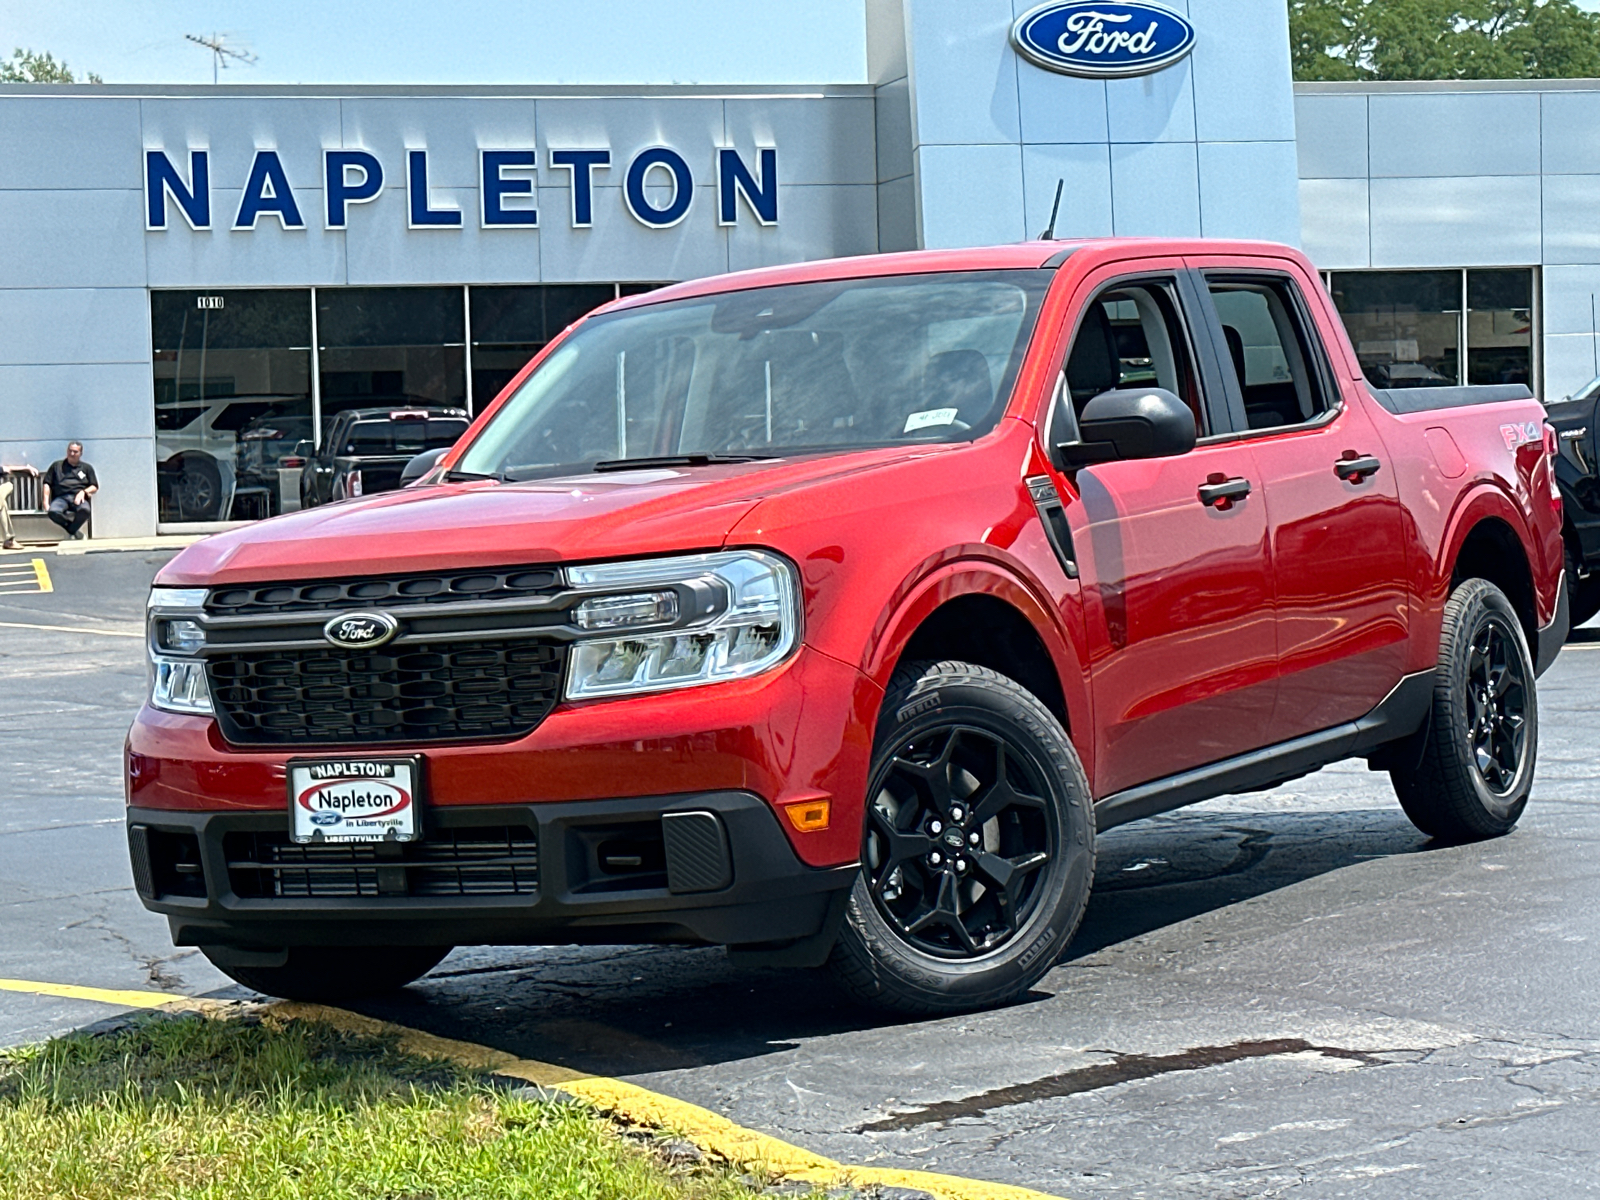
1129	423
421	465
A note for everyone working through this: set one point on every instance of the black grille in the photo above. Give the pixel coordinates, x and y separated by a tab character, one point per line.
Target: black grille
395	591
430	691
500	860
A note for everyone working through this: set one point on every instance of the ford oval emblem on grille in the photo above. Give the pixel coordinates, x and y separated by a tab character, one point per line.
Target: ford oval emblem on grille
360	630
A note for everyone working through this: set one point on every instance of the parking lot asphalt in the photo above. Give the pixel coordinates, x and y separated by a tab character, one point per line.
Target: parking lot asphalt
1285	992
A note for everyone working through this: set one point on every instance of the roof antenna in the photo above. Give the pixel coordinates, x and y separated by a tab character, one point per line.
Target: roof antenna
221	51
1049	235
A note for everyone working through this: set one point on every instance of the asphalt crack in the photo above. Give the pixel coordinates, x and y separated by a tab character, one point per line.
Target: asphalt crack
1124	1068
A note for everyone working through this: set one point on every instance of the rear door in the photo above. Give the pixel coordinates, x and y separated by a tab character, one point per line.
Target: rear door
1338	548
1177	591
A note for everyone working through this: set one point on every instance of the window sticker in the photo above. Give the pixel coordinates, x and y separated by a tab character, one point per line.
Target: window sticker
928	417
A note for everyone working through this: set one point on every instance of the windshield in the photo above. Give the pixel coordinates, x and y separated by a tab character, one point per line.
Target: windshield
836	365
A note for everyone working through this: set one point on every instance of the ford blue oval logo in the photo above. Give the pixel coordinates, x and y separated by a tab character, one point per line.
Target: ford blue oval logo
325	818
360	631
1100	40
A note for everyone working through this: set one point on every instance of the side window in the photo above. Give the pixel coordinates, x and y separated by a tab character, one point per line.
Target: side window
1132	336
1268	351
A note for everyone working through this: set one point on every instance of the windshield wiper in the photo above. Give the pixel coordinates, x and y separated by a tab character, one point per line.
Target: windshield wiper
675	460
469	476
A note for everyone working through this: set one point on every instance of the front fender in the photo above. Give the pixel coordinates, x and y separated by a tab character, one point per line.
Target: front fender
980	570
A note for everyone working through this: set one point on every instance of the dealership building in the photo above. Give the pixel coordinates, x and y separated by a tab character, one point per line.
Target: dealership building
195	280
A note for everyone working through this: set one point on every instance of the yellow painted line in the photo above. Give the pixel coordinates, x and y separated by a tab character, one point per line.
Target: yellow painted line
42	572
73	629
713	1133
122	999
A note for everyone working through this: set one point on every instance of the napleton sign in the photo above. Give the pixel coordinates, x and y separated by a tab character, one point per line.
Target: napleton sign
658	188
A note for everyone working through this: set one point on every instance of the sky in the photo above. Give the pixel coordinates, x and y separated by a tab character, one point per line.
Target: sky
456	41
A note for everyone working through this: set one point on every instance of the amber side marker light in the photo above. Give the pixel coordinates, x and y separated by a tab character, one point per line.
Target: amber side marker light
809	816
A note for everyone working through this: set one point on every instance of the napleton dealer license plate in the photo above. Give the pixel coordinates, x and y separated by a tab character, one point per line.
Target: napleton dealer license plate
353	799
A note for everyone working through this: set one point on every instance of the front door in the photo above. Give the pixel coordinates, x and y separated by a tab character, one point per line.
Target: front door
1338	546
1173	555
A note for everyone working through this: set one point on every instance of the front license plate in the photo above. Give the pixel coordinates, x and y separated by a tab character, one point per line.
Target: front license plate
353	799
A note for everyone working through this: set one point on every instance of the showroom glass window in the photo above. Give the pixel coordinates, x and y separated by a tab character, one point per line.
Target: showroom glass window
391	346
232	397
1500	327
512	324
1408	327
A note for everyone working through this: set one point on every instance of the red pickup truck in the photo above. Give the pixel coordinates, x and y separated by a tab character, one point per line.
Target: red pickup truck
826	613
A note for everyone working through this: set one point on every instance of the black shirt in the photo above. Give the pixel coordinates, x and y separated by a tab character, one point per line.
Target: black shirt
66	481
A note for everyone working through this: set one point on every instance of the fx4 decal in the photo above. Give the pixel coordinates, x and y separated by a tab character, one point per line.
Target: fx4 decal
1522	434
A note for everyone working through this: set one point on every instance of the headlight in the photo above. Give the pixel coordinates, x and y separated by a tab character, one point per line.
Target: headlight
177	679
731	615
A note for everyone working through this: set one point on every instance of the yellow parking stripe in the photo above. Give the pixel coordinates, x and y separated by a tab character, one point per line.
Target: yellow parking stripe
71	991
73	629
42	573
713	1133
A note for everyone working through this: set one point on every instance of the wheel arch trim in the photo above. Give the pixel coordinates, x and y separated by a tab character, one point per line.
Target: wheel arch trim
976	571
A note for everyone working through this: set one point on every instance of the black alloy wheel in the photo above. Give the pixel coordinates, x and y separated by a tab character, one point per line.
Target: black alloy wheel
1468	772
977	846
957	833
1497	708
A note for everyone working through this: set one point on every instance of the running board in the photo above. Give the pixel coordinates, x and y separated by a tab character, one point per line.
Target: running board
1401	712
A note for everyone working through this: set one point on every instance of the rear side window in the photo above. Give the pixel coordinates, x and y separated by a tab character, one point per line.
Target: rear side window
1131	336
1268	351
404	435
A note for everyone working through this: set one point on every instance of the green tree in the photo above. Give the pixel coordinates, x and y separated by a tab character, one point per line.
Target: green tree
1443	39
24	66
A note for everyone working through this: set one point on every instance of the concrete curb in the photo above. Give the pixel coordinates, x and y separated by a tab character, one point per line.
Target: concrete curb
714	1134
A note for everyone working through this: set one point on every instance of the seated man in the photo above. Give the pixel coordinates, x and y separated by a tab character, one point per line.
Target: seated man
68	484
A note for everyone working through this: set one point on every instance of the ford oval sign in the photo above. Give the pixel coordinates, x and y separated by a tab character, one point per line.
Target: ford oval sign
360	631
1102	40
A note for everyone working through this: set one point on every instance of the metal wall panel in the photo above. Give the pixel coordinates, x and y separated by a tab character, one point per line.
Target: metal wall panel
74	325
1454	133
969	195
69	142
1333	222
1155	190
1457	222
1248	190
1331	136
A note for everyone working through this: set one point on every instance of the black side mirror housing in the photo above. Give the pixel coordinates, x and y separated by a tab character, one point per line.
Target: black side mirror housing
1129	423
421	465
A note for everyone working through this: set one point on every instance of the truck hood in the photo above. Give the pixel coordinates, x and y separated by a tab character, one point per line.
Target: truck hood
484	524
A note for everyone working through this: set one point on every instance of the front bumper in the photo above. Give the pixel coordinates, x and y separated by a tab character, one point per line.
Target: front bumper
798	733
712	867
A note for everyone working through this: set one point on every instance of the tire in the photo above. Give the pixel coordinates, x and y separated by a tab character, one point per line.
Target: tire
1475	770
198	489
932	929
1583	595
328	974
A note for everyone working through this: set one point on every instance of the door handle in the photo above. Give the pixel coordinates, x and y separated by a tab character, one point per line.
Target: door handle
1354	468
1220	492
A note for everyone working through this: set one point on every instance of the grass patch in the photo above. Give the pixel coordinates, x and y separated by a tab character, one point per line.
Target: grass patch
260	1108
